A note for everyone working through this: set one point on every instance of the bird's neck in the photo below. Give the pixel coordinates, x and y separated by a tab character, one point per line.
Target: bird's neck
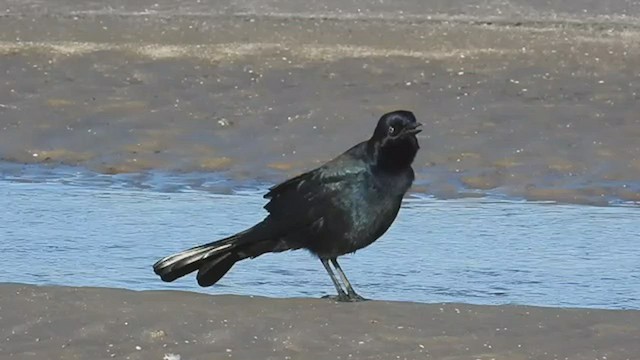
393	156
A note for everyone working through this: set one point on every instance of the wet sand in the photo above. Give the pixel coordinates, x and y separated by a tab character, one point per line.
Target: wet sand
102	323
525	101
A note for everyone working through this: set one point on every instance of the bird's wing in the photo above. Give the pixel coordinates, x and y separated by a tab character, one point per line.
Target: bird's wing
309	197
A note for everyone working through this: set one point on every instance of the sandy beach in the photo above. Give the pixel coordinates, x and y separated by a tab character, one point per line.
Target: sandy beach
101	323
526	99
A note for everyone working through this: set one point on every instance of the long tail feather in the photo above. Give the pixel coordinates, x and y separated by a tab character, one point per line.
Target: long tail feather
185	262
213	260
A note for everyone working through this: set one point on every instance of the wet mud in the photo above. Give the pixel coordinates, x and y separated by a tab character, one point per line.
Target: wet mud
534	109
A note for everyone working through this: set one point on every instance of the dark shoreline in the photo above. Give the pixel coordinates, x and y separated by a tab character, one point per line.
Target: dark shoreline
226	182
57	322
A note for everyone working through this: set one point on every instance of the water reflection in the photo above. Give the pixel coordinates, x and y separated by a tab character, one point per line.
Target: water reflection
472	250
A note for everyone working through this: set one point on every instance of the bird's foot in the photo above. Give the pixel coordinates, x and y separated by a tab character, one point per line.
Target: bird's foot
339	298
353	297
345	298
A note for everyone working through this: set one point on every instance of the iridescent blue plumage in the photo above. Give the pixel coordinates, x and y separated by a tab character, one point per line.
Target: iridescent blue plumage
338	208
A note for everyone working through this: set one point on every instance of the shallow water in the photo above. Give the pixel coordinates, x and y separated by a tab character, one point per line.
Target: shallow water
77	229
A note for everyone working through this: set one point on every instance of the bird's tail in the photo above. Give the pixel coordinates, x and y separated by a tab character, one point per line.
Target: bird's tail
213	260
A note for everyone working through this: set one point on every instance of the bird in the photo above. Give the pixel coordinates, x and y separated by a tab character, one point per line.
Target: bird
335	209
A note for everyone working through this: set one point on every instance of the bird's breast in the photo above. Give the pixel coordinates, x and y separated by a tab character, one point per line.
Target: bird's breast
362	213
373	212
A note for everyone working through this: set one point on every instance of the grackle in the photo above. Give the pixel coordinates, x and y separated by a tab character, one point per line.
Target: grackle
338	208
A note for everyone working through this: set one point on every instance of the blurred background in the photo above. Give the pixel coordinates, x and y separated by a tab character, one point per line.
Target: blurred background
532	99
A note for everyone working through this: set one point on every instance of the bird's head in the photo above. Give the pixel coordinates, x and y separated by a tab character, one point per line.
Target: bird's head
394	144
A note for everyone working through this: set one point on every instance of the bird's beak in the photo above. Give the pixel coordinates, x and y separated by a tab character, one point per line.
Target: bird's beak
412	130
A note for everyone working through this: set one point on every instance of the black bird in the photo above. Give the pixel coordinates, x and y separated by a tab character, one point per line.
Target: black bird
336	209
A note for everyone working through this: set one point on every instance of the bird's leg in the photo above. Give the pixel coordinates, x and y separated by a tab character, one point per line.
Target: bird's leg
342	296
352	295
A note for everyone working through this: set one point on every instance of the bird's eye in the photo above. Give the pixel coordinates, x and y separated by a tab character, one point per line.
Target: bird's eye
391	130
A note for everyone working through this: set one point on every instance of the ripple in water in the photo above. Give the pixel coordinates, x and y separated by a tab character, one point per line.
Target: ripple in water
473	250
